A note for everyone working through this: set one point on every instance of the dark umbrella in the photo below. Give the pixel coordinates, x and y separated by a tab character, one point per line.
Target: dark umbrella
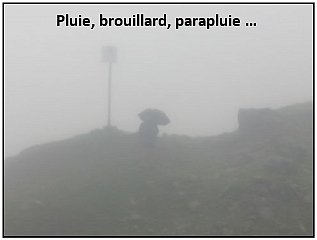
154	116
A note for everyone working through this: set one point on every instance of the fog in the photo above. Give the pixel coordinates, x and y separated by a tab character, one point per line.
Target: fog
211	129
56	83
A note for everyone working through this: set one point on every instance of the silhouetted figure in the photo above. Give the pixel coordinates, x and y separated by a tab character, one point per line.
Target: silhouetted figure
148	130
148	133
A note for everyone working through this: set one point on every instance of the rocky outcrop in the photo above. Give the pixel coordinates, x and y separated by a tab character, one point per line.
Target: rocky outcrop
293	121
262	122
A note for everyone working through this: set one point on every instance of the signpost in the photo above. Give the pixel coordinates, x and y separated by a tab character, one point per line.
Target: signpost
109	55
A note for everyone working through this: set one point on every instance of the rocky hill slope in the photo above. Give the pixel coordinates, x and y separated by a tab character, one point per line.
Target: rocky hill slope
254	181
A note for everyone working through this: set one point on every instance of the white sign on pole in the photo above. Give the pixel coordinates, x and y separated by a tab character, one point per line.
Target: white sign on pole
109	54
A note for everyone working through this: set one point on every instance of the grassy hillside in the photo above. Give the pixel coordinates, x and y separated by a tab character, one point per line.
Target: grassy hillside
256	180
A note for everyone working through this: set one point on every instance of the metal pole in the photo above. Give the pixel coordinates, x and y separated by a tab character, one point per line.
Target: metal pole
109	96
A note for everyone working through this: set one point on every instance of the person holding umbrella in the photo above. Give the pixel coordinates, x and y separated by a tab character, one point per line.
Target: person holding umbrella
148	130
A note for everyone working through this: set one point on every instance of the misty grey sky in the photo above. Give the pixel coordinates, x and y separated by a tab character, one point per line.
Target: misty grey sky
56	84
